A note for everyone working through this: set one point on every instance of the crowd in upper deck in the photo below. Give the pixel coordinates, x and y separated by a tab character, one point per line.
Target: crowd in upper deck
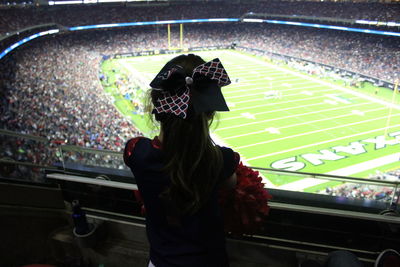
17	18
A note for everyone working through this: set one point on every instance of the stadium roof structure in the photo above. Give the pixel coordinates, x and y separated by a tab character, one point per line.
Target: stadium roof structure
37	3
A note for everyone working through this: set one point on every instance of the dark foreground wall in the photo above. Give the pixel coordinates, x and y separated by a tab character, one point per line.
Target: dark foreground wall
35	227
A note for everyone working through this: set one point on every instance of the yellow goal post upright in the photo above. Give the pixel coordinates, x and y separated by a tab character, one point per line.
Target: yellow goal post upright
392	103
180	37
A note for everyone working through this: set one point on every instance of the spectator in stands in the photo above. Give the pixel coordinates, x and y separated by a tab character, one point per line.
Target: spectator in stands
178	173
17	18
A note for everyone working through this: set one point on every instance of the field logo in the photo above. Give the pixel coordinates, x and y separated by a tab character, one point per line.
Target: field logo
354	148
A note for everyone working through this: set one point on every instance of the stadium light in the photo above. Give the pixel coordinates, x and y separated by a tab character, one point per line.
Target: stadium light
182	21
253	20
111	1
51	3
25	40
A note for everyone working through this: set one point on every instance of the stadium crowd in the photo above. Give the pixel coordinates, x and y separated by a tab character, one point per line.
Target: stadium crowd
53	89
370	55
93	14
55	93
365	191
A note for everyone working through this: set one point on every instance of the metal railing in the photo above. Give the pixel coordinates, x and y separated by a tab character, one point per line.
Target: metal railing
26	157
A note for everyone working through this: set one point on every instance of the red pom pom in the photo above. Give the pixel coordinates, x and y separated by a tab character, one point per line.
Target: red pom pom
246	206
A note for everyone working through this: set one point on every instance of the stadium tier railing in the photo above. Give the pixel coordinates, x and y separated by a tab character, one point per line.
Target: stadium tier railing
30	158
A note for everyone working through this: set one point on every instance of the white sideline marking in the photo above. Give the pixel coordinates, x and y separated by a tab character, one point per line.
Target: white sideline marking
273	130
241	90
339	99
367	165
346	171
302	184
316	131
295	100
283	109
241	96
230	104
262	79
298	124
262	91
278	118
320	143
275	103
329	101
248	115
358	112
232	92
306	92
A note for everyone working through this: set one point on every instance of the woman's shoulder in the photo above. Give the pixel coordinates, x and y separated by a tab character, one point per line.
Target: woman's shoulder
228	152
231	158
132	144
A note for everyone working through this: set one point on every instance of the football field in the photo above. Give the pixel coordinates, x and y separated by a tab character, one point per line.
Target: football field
284	119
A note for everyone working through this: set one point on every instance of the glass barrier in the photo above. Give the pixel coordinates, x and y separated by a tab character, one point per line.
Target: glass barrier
92	157
25	157
339	186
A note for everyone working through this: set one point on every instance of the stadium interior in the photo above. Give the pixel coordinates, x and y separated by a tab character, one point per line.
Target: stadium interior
72	77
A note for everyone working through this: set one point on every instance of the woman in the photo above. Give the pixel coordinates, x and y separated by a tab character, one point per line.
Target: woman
180	172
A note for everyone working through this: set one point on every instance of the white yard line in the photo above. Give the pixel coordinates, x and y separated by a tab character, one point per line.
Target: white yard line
278	118
277	103
320	143
275	83
316	131
285	109
295	100
277	80
302	123
231	91
263	90
241	90
256	71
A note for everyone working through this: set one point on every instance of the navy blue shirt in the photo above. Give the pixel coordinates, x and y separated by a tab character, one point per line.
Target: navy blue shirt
198	239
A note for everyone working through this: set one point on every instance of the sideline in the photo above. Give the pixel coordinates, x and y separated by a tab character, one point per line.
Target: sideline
346	171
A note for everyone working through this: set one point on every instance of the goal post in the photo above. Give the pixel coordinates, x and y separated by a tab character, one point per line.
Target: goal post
170	47
389	117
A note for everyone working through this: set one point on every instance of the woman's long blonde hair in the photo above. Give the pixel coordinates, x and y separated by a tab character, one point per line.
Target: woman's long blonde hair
192	160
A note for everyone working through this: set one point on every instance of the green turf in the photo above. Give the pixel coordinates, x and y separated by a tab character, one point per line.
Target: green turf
374	171
303	117
322	187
